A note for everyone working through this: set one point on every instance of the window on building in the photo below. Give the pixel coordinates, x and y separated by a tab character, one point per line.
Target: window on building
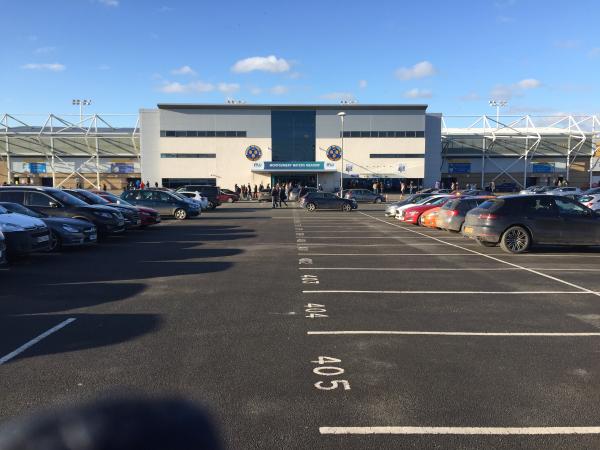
293	135
397	155
383	134
202	133
188	155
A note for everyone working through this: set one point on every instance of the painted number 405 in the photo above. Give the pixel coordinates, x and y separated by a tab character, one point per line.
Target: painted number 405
327	369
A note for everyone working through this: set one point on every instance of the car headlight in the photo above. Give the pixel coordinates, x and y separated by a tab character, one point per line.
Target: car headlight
103	214
9	227
70	229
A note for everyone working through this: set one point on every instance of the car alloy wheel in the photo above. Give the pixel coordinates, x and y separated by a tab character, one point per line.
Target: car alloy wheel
311	207
346	207
54	244
515	240
180	214
211	205
377	200
420	220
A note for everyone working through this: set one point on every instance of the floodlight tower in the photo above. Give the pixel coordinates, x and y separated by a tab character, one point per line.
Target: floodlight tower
81	103
498	104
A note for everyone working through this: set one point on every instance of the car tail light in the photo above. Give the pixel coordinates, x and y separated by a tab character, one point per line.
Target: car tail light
452	212
487	216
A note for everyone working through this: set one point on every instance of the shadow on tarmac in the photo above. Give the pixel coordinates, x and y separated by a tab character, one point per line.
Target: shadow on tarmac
114	271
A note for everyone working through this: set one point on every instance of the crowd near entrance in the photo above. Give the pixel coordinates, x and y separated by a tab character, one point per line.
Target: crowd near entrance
307	180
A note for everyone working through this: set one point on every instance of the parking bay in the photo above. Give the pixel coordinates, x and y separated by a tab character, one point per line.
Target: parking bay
450	337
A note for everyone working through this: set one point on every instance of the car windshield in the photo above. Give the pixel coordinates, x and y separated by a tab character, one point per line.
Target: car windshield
3	210
93	197
67	198
20	209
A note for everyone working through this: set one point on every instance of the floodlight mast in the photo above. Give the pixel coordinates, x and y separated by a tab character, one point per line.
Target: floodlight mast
81	103
498	104
341	115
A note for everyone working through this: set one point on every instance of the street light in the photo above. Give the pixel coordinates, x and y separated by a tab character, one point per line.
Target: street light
498	104
81	103
341	115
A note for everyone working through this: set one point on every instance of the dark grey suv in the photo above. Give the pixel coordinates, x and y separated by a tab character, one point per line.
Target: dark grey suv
165	202
518	221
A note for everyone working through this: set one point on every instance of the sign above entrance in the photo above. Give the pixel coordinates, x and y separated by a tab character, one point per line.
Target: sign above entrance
293	166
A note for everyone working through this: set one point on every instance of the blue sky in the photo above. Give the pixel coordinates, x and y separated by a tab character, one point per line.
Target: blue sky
541	56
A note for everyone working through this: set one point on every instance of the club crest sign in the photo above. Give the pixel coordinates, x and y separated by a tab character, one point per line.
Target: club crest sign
253	153
334	152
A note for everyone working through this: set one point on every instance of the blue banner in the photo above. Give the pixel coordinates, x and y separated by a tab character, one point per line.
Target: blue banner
37	167
542	167
294	165
121	168
459	167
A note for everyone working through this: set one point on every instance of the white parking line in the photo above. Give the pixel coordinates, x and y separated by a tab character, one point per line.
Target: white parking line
461	430
408	269
545	275
332	291
449	333
35	340
390	254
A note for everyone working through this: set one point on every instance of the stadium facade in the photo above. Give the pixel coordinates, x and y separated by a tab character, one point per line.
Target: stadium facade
227	144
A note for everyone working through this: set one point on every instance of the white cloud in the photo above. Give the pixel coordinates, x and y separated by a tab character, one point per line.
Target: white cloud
422	69
505	19
44	50
418	93
185	88
529	83
470	97
183	70
228	88
262	63
109	2
256	91
279	90
54	67
594	53
508	91
362	84
339	96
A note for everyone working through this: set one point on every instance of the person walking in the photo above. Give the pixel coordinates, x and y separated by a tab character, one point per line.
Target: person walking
402	188
261	187
282	197
142	185
156	184
274	197
104	187
492	186
410	187
375	187
255	192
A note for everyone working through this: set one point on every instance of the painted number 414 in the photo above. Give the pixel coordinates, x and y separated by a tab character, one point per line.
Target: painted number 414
315	311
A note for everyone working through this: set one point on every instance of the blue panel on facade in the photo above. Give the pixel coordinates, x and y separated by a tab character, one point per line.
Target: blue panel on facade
37	167
542	168
459	167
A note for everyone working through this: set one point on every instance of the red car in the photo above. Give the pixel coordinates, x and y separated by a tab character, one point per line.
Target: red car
414	213
227	196
148	216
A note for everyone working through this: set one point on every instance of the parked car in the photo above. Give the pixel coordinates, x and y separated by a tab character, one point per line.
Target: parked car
210	192
518	222
391	209
165	202
57	203
472	192
592	191
538	189
326	200
64	232
227	196
429	218
565	190
452	215
2	249
295	193
23	234
202	201
363	195
506	187
131	216
415	213
265	195
424	201
148	216
592	201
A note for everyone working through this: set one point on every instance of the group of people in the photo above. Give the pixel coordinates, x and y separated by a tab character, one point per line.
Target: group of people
139	184
279	194
245	192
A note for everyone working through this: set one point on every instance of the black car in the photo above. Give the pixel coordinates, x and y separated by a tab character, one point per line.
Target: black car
325	200
64	232
131	215
210	192
57	203
23	234
163	201
518	221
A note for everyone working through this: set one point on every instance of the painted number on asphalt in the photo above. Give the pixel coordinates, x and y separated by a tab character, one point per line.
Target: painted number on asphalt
309	279
326	369
315	311
305	261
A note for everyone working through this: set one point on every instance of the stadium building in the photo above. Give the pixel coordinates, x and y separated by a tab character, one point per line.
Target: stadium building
228	144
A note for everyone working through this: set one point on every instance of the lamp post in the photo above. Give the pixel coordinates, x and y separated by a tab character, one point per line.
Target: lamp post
81	103
498	104
341	115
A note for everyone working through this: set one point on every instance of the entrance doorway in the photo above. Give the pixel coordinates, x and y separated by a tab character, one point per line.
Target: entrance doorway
309	179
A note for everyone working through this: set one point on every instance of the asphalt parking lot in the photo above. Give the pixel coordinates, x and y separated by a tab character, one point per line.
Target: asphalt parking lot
325	330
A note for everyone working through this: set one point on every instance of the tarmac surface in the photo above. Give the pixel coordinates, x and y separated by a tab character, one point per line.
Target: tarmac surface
323	330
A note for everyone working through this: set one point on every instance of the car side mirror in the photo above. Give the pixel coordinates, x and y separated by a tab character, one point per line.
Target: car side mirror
54	205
